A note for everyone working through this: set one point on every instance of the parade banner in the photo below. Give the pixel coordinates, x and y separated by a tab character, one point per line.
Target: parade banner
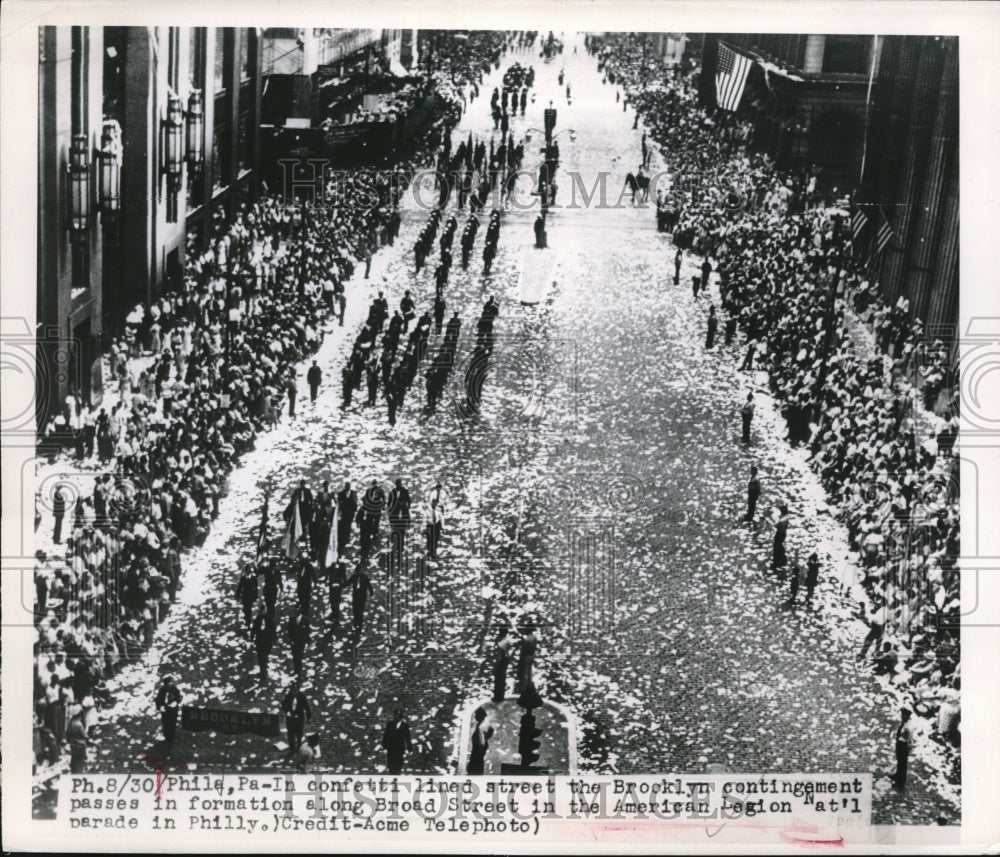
228	722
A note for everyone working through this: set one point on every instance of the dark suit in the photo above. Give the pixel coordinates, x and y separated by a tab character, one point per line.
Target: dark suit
298	712
396	741
347	508
480	744
753	492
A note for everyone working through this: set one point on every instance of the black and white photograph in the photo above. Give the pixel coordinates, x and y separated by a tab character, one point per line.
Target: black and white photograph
435	402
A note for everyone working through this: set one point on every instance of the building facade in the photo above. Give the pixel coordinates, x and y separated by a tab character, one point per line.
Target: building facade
911	177
808	96
879	116
147	135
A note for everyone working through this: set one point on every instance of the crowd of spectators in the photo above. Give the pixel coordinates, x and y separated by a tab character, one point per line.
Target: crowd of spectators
791	284
196	376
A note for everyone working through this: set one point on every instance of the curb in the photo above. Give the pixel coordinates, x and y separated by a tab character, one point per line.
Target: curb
462	733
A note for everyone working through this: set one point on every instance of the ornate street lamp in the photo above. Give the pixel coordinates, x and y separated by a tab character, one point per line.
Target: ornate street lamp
110	172
173	153
79	187
195	129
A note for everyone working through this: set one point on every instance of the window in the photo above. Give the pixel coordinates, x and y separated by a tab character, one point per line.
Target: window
846	54
196	80
114	73
245	36
196	57
220	59
219	147
173	58
243	143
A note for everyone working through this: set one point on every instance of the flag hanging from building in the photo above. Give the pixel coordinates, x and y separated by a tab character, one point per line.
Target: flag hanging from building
858	221
879	242
293	532
885	233
731	72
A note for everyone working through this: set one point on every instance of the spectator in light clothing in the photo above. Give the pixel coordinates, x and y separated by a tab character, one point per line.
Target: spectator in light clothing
77	735
307	754
904	738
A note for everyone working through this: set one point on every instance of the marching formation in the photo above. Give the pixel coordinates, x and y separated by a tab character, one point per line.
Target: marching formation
204	373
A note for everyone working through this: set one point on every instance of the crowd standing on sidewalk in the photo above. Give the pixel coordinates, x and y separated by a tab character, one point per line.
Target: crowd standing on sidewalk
782	266
196	376
203	370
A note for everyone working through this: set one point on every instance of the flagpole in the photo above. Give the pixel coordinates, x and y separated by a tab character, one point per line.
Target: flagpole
868	103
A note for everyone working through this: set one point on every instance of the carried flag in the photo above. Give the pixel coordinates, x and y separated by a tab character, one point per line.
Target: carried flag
262	534
332	547
293	532
731	74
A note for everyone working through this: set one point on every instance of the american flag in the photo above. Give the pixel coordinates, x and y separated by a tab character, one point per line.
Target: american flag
730	77
882	238
858	221
885	233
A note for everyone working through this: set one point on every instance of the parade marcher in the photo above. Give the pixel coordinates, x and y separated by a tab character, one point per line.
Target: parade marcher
346	386
361	588
298	638
369	518
264	634
501	664
315	378
347	509
271	588
796	574
398	504
396	742
371	380
435	523
746	414
812	575
779	556
677	267
480	744
335	577
298	712
753	494
246	593
713	324
168	703
305	577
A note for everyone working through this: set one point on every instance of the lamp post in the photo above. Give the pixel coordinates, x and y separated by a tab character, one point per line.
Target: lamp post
173	153
110	173
195	130
79	184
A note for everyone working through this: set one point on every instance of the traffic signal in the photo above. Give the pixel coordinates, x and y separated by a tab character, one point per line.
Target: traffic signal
550	121
528	744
